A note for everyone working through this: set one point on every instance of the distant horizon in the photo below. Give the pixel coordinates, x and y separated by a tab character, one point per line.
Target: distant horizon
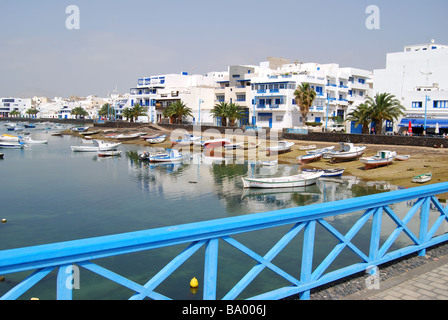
64	48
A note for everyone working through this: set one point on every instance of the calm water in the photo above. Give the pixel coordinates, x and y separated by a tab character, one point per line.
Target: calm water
51	194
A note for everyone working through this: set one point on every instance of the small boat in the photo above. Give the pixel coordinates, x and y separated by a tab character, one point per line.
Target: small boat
158	139
7	137
79	129
298	180
170	155
12	144
2	155
382	158
313	146
102	146
282	146
28	140
90	133
126	136
112	153
323	150
30	126
337	172
422	178
215	143
309	158
347	152
187	140
402	157
58	133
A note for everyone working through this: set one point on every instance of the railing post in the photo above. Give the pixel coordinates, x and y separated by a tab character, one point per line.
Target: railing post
64	290
307	257
211	269
376	233
424	220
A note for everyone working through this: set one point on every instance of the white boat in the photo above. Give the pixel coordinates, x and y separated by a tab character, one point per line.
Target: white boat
8	137
402	157
170	155
79	129
12	144
321	150
187	140
309	158
28	140
313	146
101	146
282	146
112	153
422	178
347	152
158	139
90	133
298	180
382	158
337	172
125	136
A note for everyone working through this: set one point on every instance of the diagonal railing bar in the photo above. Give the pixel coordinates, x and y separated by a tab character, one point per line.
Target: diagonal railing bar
264	262
401	226
26	284
119	279
443	216
344	242
169	269
45	258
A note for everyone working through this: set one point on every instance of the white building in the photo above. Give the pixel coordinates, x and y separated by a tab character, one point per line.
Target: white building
10	104
417	76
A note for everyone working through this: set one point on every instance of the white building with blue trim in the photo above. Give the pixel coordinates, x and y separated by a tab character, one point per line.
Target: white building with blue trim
418	77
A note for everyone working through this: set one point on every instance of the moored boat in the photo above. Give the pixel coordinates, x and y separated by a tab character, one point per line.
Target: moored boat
298	180
281	147
101	146
348	151
422	178
402	157
327	173
170	155
382	158
158	139
8	137
79	129
12	144
309	158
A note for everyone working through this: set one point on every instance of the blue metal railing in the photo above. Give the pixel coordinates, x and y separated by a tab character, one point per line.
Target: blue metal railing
60	256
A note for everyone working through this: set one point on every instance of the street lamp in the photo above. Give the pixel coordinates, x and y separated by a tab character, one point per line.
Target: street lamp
426	106
200	101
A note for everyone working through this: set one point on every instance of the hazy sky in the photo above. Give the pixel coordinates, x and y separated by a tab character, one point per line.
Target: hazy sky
121	41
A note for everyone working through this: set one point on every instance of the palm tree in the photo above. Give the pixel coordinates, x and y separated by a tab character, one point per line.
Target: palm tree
127	113
79	112
14	113
304	97
138	111
384	106
106	110
362	116
219	111
234	112
177	110
32	111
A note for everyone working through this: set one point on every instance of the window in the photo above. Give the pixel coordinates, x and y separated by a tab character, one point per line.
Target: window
417	104
440	104
319	90
240	97
361	81
279	118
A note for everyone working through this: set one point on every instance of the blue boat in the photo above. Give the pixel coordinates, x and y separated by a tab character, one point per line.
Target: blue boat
171	155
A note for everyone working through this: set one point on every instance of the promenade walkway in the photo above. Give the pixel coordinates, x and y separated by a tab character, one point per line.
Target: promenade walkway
426	282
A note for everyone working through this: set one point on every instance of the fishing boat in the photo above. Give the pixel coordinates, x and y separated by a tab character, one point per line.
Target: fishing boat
347	152
79	129
327	173
170	155
281	147
309	158
112	153
125	136
321	150
12	144
422	178
402	157
298	180
382	158
158	139
8	137
101	146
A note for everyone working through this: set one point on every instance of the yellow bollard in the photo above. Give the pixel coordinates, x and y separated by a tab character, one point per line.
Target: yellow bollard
194	283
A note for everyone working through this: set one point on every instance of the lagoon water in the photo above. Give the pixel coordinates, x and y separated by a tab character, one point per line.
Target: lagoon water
51	194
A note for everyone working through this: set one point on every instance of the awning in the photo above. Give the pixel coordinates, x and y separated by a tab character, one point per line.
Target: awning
430	123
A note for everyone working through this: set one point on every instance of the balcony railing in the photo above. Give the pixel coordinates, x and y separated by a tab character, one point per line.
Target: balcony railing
301	222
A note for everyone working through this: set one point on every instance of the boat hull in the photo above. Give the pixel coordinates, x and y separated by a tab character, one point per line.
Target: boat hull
371	164
300	180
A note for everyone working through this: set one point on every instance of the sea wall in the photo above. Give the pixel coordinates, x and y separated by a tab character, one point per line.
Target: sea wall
419	141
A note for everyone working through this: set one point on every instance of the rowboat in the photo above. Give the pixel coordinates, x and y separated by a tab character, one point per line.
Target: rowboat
125	136
313	146
422	178
402	157
101	146
309	158
215	143
112	153
28	140
170	155
347	152
79	129
298	180
187	140
282	146
337	172
158	139
382	158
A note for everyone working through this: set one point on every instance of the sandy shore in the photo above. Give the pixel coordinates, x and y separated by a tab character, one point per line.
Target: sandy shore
422	160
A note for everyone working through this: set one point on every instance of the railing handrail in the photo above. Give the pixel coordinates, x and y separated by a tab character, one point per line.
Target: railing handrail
21	259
